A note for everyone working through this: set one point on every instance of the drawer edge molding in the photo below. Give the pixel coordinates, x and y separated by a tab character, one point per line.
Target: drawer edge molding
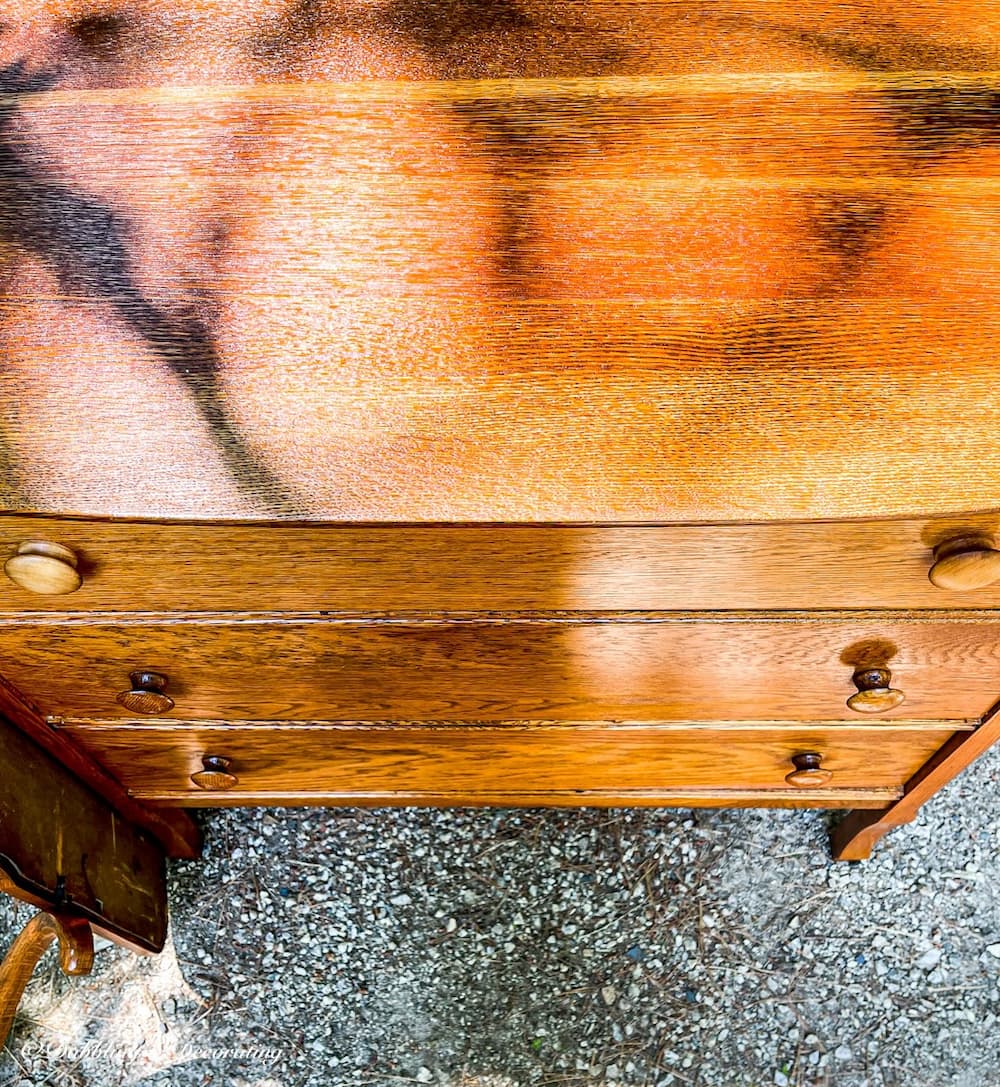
84	725
862	799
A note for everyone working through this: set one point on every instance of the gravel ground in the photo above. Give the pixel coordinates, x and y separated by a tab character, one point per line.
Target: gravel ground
500	948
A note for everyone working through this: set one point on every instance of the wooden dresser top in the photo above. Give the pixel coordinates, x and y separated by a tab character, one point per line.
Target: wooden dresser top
499	260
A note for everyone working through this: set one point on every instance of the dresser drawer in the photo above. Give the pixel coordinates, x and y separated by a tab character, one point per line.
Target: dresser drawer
496	568
546	764
654	669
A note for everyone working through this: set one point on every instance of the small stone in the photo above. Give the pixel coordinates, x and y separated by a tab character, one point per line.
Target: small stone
609	994
994	950
843	1053
401	900
451	925
424	1075
780	1079
929	959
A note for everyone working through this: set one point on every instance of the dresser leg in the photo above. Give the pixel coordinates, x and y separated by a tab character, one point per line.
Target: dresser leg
76	956
855	836
859	832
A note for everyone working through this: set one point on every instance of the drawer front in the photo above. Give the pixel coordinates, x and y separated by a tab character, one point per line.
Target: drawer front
570	670
337	568
157	762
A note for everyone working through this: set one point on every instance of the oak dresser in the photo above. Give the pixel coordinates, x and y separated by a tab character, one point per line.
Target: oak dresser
507	403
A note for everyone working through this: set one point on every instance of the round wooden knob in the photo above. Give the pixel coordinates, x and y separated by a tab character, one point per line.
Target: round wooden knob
42	567
874	693
146	694
965	565
808	773
215	775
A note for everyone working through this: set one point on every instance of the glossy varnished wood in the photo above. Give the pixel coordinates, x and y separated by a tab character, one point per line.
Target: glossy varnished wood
528	261
156	762
43	568
179	837
141	566
649	669
858	834
516	261
76	956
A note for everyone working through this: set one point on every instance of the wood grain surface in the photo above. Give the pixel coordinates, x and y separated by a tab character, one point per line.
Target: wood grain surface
497	568
76	956
511	260
179	837
63	845
654	669
155	762
855	837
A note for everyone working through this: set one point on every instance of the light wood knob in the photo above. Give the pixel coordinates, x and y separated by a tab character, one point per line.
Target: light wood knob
146	694
875	695
42	567
965	565
808	772
215	775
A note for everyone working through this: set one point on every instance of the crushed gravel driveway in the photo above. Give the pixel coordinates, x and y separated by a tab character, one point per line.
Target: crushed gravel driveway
318	948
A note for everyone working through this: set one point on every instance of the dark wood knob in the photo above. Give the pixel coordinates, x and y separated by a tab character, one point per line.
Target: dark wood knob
146	694
875	695
965	565
215	774
42	567
808	773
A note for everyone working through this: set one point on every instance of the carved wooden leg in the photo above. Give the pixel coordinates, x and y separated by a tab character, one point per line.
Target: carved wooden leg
76	956
855	837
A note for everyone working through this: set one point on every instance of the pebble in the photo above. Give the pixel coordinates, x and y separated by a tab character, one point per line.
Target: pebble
929	959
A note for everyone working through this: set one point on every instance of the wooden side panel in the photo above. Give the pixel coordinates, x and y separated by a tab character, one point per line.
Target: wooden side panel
60	844
155	761
648	670
497	568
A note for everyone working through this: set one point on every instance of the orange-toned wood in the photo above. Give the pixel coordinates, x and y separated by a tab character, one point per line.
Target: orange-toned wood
179	837
861	799
592	418
76	957
146	694
645	669
874	695
857	835
199	41
809	772
214	774
43	568
155	762
362	569
521	261
966	564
